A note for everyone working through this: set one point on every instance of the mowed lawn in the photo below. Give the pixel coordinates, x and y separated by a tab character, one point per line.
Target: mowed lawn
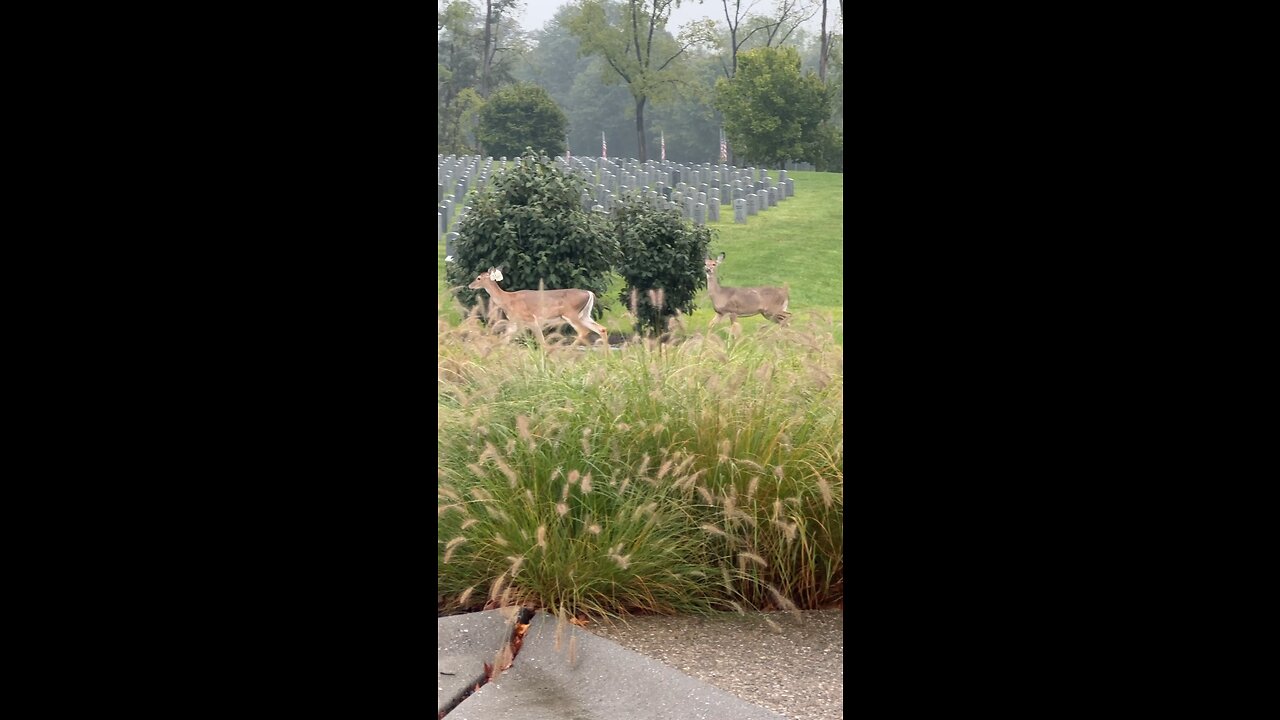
798	244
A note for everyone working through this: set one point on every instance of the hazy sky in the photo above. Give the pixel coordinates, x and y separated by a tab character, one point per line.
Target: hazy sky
538	12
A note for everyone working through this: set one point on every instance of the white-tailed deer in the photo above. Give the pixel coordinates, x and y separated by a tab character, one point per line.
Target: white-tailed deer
770	302
536	309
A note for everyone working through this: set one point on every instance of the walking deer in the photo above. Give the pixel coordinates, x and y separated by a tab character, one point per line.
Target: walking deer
536	309
771	302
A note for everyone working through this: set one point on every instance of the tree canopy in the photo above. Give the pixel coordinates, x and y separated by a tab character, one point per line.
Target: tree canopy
771	111
520	116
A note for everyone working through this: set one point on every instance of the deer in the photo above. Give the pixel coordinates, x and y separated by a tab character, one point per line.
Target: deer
539	308
771	302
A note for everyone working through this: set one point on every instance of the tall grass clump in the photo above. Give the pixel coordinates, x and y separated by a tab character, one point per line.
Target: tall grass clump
686	478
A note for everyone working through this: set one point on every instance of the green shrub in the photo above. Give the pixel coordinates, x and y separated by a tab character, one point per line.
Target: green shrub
662	262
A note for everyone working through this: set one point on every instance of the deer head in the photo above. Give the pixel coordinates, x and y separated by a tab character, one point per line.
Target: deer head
494	274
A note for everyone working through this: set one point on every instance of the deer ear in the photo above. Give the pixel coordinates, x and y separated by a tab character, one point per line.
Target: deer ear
496	275
721	258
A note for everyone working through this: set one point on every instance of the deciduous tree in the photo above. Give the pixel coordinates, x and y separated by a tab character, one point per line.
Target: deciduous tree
771	111
520	116
637	48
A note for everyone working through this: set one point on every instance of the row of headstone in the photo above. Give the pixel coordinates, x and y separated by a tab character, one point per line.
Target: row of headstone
695	191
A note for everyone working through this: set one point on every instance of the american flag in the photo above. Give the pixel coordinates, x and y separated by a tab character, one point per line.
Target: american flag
664	147
724	148
604	146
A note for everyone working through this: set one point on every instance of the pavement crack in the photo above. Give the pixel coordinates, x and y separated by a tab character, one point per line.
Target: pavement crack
502	660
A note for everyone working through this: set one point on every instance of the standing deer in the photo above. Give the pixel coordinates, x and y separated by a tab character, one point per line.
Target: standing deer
538	308
770	302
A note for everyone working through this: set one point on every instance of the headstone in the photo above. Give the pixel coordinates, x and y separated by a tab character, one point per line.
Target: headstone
451	244
773	197
700	214
751	203
446	211
713	209
739	211
791	187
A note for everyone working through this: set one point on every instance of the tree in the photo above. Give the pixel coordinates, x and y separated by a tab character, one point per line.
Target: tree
734	21
493	16
520	116
790	15
469	60
826	46
637	49
576	83
528	221
772	112
457	70
662	262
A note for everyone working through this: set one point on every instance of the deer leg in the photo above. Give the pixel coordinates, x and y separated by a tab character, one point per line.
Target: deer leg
578	327
600	330
714	318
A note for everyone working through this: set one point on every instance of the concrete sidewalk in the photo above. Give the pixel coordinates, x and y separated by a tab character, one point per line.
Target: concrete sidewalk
563	672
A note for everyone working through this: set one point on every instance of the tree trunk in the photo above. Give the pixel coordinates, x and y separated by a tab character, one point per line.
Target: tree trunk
640	144
488	40
826	46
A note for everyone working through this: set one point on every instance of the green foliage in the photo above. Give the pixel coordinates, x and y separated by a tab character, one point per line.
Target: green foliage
703	476
529	222
661	251
457	124
771	111
826	151
460	50
521	116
